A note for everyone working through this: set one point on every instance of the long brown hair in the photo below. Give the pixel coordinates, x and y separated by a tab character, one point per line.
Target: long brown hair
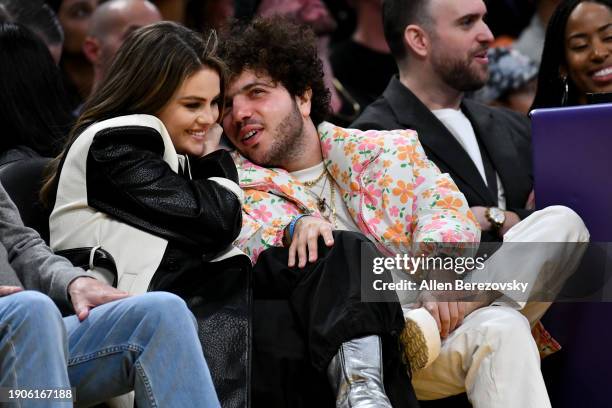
146	72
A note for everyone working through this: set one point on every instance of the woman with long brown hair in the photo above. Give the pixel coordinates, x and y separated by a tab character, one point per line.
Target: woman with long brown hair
138	177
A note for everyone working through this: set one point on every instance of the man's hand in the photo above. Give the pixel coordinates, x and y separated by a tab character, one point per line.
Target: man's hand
511	220
87	293
9	290
305	236
448	315
479	213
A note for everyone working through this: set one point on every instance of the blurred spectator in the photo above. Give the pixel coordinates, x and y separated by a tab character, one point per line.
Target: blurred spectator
4	15
172	10
512	80
38	17
37	119
508	17
202	15
577	56
363	64
316	15
110	24
344	14
75	17
531	40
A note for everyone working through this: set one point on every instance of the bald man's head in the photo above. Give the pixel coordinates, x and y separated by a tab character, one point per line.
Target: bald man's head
111	23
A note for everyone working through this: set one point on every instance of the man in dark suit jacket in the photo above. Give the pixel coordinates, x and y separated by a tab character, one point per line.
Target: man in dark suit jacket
485	150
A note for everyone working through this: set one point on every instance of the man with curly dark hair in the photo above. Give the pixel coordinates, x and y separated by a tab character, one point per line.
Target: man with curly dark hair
274	69
317	197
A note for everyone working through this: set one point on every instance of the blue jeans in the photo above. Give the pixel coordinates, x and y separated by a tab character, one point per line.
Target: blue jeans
145	343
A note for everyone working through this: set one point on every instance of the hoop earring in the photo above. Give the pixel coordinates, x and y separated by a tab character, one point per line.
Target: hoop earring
565	96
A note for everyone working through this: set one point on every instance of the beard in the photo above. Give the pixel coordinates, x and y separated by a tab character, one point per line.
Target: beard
288	141
459	73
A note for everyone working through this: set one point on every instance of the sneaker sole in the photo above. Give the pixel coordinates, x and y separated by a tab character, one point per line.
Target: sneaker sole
420	339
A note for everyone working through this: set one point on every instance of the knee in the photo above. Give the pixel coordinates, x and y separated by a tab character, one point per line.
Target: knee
163	308
504	326
35	304
570	225
32	308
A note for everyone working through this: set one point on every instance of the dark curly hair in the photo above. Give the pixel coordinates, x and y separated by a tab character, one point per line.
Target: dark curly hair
287	52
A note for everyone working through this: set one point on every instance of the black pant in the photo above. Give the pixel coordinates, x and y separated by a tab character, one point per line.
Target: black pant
325	305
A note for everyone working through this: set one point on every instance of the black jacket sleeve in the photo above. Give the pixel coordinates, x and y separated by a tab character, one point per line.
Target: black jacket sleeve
128	179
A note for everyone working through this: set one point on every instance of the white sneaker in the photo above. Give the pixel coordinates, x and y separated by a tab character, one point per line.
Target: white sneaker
420	339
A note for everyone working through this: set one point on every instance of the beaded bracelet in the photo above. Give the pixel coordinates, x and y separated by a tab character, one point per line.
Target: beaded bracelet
293	222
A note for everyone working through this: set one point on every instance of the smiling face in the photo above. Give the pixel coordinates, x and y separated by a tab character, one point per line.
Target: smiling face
191	111
75	17
263	121
459	43
588	48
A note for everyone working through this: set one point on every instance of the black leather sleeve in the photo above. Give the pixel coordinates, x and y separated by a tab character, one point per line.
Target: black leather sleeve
216	164
128	179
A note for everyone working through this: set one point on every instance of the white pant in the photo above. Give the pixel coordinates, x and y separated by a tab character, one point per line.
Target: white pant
492	355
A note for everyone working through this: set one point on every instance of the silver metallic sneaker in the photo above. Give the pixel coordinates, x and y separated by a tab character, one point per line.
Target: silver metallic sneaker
355	374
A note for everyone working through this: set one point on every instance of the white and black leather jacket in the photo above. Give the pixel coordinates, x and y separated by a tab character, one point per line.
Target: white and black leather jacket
120	189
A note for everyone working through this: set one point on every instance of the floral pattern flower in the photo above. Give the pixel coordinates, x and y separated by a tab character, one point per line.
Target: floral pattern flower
395	195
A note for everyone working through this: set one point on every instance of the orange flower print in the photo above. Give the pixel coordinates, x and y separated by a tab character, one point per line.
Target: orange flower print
339	133
445	183
385	201
349	149
450	203
334	170
385	181
256	195
404	191
395	233
345	177
286	189
405	152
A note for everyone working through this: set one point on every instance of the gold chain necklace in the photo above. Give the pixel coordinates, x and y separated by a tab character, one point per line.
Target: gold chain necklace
321	202
311	183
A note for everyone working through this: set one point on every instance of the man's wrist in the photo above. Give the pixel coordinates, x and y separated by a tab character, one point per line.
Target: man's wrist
496	217
290	229
510	221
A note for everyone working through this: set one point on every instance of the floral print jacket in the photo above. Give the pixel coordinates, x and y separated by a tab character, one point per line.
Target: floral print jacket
396	196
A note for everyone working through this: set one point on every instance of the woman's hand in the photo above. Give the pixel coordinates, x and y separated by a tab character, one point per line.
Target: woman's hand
212	138
304	243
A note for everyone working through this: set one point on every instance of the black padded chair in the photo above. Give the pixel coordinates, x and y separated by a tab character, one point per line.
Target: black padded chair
22	181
